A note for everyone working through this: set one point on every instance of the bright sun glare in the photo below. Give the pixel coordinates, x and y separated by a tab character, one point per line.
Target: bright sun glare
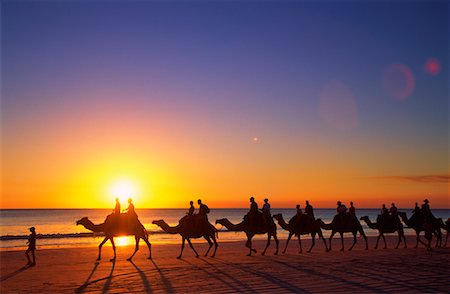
123	190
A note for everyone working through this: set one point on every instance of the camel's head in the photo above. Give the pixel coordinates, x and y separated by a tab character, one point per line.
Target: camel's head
83	221
319	221
158	222
364	218
277	216
220	221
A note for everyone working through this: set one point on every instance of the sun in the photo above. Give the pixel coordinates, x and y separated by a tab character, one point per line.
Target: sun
124	189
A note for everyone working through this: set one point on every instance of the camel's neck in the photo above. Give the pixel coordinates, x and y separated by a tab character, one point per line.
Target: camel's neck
370	224
94	228
404	218
232	227
283	223
168	229
326	226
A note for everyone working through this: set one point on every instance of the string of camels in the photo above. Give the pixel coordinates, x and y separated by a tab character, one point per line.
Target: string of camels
193	226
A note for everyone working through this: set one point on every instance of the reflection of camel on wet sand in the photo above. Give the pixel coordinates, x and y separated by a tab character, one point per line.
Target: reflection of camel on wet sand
391	225
310	227
189	228
122	226
270	229
349	224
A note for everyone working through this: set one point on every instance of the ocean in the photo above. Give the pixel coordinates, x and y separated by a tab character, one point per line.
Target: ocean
57	228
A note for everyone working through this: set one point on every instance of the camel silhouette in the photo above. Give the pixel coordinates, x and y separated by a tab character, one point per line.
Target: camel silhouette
350	224
307	226
392	225
188	229
118	226
270	229
428	228
446	227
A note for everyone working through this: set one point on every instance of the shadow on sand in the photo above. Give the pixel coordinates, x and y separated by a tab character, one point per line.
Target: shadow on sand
89	282
166	282
16	272
147	286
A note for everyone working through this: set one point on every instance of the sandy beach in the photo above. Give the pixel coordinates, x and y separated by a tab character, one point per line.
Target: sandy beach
75	270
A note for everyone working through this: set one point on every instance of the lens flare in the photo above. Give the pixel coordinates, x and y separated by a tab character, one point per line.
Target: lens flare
432	66
398	81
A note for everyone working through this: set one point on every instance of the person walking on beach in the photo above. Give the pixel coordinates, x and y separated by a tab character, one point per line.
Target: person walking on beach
309	210
31	247
191	208
117	207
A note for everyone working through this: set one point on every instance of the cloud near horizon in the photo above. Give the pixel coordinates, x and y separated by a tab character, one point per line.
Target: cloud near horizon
442	178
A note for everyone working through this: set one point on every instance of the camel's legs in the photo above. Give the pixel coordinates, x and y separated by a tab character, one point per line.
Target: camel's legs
190	245
384	240
361	232
403	236
300	243
287	241
342	241
267	244
209	242
446	239
114	249
215	245
331	237
182	247
324	241
313	241
248	244
100	248
378	239
399	239
149	247
136	248
276	243
438	238
354	241
418	239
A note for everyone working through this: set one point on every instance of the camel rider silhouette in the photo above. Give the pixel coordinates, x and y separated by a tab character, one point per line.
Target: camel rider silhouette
298	217
341	210
416	218
266	211
309	210
426	212
394	212
131	216
117	207
352	210
191	208
202	213
253	213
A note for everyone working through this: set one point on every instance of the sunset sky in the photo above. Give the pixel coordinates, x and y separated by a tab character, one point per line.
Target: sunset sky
169	101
